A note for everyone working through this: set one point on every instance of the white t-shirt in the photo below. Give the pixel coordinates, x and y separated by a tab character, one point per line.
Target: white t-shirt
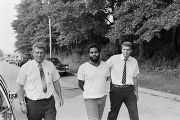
29	76
95	78
116	64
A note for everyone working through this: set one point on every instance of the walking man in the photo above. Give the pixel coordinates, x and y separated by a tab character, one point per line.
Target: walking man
37	79
92	77
124	85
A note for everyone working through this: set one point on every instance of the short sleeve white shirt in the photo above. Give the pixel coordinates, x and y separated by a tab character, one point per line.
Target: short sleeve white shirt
116	64
29	76
95	78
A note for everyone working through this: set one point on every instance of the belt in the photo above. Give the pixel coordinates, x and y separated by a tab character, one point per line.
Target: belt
44	99
122	86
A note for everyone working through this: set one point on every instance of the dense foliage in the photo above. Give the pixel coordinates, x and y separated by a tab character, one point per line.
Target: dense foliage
78	22
73	22
144	18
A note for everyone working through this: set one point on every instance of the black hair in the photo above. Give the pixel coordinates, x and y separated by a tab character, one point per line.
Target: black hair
94	45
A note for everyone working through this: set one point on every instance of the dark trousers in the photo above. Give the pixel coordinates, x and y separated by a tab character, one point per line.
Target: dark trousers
119	95
38	109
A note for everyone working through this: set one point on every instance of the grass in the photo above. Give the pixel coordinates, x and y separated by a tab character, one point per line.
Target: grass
163	78
160	82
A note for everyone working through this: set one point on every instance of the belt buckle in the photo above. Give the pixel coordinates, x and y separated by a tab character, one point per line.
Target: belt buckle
126	85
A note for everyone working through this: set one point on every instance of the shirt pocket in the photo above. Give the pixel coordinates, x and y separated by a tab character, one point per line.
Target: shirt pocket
130	70
49	77
32	75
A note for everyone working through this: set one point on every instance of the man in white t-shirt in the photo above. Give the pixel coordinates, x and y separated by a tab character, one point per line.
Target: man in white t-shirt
92	77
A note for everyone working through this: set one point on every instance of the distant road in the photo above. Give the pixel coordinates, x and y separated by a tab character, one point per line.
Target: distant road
150	107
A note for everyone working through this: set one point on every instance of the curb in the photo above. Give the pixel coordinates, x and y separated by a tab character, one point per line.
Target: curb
160	94
157	93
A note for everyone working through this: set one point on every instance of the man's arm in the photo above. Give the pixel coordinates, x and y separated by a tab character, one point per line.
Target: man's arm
136	86
81	84
21	98
57	88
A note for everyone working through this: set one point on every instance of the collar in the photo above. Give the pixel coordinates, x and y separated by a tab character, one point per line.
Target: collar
94	64
122	57
37	64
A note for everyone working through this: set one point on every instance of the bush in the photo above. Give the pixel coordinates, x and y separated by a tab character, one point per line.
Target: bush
160	65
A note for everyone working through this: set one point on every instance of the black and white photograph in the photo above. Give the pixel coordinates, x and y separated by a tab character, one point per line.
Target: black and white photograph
89	59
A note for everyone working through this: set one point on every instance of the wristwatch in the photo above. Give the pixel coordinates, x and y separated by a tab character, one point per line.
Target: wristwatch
21	102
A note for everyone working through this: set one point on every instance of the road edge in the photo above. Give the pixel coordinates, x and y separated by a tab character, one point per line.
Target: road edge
157	93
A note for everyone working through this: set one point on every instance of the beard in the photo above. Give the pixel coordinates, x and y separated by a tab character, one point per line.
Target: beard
94	58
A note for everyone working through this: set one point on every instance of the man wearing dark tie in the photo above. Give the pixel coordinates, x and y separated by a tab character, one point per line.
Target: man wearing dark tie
124	85
38	79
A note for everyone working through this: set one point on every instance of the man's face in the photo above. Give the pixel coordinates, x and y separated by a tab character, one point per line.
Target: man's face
126	51
38	54
94	55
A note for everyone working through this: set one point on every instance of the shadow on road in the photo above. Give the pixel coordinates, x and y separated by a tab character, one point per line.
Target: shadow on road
68	92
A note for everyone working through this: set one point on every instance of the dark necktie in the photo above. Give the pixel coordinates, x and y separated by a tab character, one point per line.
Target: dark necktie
43	80
124	73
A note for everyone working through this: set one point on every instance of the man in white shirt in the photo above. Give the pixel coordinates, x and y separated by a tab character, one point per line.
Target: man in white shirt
92	77
124	85
37	79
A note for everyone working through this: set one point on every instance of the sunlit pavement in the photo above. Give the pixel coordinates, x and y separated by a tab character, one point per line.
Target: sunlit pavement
152	106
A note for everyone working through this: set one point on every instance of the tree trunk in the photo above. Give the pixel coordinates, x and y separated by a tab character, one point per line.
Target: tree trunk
174	42
141	49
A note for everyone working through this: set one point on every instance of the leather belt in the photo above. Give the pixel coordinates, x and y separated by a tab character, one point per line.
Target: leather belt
122	86
40	99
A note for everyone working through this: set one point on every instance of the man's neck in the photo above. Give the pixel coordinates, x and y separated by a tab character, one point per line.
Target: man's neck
95	63
125	57
39	62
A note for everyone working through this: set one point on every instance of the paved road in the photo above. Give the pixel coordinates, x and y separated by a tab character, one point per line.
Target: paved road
69	91
151	107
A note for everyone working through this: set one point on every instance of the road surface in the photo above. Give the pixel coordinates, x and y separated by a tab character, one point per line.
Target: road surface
151	107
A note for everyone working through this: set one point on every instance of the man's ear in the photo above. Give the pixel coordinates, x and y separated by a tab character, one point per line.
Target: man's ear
130	51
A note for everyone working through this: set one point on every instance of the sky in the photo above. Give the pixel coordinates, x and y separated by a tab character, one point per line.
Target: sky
7	34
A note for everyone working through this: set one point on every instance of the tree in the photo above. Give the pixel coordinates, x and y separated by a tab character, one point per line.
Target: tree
73	22
144	19
31	25
79	22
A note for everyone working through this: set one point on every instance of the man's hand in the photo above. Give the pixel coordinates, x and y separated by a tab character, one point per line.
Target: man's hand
24	108
61	102
136	93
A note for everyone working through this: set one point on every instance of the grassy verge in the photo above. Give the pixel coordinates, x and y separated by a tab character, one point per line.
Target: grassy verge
164	78
160	82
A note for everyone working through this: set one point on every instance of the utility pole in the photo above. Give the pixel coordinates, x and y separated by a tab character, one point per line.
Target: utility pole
50	38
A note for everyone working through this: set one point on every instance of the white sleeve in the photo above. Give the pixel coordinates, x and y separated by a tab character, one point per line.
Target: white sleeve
55	74
21	79
80	75
136	70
